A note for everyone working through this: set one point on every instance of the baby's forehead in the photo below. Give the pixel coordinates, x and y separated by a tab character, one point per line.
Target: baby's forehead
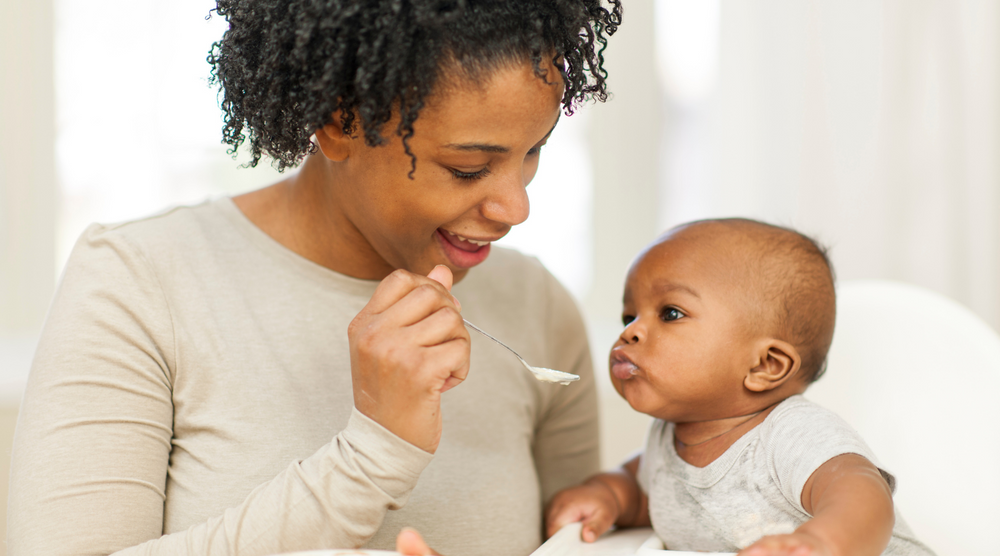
745	258
698	248
728	241
698	263
732	258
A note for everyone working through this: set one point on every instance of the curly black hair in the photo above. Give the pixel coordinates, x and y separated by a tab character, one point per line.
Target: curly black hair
284	67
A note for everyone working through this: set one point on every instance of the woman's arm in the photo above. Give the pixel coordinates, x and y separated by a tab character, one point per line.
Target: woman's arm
93	439
95	435
852	510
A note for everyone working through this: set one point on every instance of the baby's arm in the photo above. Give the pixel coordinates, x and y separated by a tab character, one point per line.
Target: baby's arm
606	499
852	511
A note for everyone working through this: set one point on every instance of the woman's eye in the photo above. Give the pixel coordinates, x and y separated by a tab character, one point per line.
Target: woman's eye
535	150
627	319
478	175
671	314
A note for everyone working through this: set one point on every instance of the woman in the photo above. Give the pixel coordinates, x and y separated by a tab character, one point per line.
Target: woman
273	372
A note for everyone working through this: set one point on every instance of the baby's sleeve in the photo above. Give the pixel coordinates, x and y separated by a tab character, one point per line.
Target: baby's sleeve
800	438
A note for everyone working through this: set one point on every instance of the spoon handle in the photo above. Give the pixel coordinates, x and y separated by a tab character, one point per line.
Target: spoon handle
484	333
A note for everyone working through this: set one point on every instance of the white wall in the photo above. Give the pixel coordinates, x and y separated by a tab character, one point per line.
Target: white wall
27	201
27	173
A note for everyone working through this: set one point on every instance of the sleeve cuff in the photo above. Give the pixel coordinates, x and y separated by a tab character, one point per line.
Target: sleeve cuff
392	463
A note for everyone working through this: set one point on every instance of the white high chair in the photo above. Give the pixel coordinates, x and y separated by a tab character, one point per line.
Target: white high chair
918	375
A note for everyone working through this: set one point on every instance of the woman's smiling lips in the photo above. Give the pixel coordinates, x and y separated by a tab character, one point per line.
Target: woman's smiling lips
461	251
621	366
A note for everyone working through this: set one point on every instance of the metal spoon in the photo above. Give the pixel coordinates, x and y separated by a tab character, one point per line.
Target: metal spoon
541	373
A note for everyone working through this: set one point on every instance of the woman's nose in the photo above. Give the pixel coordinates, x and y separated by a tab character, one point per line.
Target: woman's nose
507	201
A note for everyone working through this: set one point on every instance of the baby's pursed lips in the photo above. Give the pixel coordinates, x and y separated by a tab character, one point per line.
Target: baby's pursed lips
622	367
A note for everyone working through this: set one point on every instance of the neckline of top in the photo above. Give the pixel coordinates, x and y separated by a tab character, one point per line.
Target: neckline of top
273	249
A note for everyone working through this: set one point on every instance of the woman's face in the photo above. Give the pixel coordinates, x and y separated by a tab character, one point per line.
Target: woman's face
477	148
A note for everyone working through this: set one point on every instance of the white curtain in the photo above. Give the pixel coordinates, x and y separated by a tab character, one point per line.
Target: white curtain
872	125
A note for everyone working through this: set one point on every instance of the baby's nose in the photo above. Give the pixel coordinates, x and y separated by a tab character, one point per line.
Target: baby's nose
633	332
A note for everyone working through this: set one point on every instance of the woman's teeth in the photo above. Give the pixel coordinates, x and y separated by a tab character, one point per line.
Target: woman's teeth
480	243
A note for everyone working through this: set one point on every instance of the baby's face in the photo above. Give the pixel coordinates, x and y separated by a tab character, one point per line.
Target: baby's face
686	346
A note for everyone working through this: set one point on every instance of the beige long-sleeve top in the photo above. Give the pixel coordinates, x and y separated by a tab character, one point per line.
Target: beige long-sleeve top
191	394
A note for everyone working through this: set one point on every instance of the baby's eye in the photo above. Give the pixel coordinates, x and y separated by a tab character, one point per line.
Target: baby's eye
626	319
670	314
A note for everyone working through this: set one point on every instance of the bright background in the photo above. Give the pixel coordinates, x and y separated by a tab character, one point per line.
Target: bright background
871	124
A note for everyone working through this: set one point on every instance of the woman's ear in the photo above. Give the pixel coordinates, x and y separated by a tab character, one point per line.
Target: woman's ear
778	362
333	142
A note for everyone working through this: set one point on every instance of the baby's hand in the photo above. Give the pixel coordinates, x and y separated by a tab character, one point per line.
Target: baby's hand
795	544
592	503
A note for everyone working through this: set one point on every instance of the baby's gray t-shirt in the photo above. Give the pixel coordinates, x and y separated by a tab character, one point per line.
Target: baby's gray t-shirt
754	489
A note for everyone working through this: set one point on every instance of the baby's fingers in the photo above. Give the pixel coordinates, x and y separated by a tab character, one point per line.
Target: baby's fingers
561	516
571	510
596	526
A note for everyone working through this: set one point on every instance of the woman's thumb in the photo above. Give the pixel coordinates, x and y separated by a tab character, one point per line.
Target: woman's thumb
442	274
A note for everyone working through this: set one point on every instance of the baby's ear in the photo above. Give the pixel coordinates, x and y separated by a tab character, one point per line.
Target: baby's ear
778	362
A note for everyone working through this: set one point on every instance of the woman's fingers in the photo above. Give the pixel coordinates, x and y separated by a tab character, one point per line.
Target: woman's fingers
419	303
409	345
439	327
400	283
410	543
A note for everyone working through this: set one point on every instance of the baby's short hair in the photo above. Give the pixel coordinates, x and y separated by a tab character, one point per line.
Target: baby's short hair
790	281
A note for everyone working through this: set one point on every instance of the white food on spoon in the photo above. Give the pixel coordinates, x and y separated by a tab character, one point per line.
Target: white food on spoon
552	375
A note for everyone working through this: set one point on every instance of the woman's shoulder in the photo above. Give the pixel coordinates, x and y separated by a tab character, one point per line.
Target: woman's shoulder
181	238
178	227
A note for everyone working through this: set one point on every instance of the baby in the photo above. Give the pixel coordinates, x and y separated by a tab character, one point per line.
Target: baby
727	322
